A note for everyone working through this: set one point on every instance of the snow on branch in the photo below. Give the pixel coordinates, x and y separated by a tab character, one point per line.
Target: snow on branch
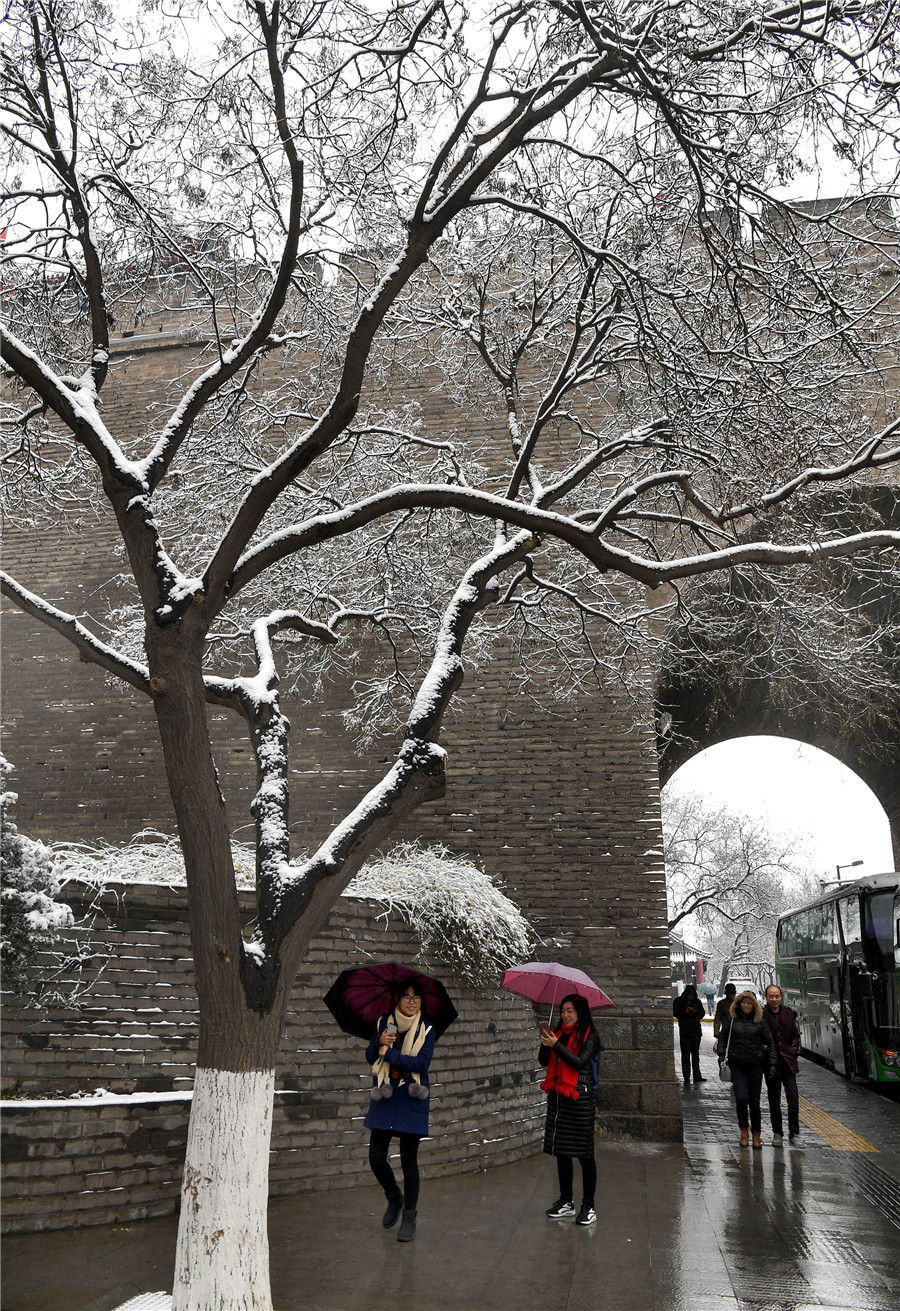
88	646
75	402
759	552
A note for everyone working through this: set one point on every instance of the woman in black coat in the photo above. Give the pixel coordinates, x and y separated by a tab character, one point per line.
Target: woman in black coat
751	1052
568	1053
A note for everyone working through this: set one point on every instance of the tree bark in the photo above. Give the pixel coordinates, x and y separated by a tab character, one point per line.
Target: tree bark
222	1251
231	1036
222	1256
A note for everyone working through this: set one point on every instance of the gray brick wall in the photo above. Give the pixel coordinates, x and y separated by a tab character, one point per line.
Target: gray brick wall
73	1162
560	803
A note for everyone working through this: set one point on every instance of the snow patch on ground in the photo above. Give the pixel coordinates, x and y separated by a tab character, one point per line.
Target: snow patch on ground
147	1302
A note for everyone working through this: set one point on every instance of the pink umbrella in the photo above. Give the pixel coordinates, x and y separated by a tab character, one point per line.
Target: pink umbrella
546	983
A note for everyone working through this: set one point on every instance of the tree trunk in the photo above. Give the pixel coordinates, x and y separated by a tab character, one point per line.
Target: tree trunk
222	1256
222	1260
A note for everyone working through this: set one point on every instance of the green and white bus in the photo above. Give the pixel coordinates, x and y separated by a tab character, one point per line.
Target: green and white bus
837	961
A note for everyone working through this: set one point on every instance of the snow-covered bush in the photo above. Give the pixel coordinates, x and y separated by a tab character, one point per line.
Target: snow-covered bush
149	857
459	915
31	918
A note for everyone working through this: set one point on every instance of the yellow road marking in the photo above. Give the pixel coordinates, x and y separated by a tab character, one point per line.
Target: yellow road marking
834	1133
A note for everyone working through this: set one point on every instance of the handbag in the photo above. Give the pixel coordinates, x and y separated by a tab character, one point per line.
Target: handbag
725	1068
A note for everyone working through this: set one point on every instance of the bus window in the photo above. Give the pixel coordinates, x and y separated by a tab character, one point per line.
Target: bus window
879	929
850	920
829	928
802	946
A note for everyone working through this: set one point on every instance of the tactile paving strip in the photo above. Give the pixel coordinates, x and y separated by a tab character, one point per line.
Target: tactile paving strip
830	1130
881	1189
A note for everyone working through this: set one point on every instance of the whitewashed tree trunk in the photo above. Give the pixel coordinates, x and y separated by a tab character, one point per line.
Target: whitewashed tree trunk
222	1258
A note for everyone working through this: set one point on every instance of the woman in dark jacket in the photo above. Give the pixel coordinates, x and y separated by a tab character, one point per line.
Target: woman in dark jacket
751	1052
400	1053
568	1053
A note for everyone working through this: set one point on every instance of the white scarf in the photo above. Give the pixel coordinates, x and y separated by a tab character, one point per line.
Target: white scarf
415	1031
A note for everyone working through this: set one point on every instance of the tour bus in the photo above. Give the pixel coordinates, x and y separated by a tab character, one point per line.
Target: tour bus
838	964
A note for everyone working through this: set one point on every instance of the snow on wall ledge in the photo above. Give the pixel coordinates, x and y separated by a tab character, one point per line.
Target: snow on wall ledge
117	1154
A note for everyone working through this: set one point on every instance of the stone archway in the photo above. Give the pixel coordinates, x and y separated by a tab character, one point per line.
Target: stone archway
696	724
742	660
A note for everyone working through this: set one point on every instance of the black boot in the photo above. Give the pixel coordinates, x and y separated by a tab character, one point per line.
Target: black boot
394	1207
407	1231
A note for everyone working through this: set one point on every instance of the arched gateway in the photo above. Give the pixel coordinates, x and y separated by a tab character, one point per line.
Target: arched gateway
822	667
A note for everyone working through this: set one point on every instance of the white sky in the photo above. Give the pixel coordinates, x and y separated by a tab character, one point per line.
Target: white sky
799	790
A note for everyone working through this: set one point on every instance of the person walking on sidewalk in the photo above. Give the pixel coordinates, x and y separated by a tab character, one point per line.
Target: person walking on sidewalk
688	1011
723	1009
782	1023
751	1053
570	1053
400	1053
708	991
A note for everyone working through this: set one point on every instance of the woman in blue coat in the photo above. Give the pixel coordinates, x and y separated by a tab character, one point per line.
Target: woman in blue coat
400	1053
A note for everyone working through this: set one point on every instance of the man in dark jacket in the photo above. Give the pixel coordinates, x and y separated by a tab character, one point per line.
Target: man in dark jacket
783	1025
722	1014
688	1011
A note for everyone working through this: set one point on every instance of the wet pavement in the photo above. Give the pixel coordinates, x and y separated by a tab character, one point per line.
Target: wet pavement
704	1227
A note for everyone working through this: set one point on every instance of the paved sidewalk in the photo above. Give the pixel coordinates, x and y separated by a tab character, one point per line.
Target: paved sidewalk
704	1227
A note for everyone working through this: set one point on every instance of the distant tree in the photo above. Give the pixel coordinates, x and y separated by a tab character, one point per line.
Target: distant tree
562	216
732	877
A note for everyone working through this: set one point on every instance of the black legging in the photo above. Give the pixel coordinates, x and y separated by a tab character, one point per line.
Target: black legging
379	1144
565	1170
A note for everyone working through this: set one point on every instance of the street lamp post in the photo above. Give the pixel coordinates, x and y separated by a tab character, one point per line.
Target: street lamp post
853	864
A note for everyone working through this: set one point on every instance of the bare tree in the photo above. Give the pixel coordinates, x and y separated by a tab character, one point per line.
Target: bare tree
560	214
733	877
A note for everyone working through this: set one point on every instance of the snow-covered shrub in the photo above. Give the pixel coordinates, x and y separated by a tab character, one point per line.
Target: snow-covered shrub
461	918
149	857
31	918
459	915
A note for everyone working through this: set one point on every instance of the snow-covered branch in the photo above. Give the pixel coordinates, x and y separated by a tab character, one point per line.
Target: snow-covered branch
86	643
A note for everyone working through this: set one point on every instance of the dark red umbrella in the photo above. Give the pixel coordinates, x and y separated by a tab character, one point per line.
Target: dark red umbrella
546	982
359	996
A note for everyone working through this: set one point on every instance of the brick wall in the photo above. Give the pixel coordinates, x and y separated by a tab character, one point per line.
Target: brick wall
560	803
133	1032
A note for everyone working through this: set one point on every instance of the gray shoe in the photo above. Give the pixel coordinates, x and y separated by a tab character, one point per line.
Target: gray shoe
796	1140
777	1139
407	1231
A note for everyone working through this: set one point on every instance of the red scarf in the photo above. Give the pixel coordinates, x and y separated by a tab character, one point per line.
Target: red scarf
561	1077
